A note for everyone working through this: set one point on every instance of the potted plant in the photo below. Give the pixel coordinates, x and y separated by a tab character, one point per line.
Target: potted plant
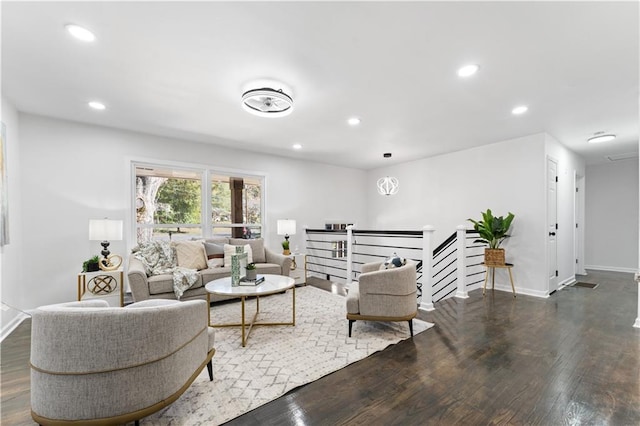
91	265
285	248
493	231
251	272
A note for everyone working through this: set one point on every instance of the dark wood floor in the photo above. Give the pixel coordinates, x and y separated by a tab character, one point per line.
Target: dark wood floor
573	358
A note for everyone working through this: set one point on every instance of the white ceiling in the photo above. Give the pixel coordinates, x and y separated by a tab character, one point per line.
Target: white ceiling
179	70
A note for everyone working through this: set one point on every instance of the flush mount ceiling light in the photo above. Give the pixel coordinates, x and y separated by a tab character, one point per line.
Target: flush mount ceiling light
468	70
97	105
600	137
80	33
297	146
519	110
353	121
267	102
388	185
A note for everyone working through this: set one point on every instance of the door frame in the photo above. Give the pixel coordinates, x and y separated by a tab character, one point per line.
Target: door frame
579	223
547	250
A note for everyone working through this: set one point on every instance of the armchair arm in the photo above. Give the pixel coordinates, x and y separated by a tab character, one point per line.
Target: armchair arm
151	303
278	259
87	303
396	281
138	282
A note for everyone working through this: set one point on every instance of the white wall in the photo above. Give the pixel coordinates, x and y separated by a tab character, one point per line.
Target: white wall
612	216
73	172
569	165
11	277
445	190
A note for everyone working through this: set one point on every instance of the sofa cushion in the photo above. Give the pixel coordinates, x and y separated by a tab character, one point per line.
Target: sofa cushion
217	240
163	283
191	254
230	250
257	248
215	255
211	274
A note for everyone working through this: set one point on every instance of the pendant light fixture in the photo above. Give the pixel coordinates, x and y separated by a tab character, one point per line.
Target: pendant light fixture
388	185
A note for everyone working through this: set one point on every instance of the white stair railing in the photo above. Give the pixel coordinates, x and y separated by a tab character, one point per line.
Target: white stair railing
338	254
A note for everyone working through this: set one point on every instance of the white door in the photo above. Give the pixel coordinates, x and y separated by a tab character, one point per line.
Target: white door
552	223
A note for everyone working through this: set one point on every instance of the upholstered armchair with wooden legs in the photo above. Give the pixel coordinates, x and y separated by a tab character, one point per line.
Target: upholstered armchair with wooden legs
383	295
92	364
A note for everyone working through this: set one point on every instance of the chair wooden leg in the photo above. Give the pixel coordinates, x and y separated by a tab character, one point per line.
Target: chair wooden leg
411	326
351	325
137	423
210	370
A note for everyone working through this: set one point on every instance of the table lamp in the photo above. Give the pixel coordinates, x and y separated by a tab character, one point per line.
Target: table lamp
104	230
286	227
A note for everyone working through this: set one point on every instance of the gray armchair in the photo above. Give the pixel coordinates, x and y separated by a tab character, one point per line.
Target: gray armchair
94	364
383	295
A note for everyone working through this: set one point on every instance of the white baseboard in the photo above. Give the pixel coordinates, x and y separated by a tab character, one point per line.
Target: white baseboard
12	325
611	268
568	281
519	291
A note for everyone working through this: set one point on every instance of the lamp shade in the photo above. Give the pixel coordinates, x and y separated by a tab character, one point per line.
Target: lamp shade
105	230
286	227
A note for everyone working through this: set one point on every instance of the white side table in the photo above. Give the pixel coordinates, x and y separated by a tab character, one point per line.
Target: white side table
102	284
299	268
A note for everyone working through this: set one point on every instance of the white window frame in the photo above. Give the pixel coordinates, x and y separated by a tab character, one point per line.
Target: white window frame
207	172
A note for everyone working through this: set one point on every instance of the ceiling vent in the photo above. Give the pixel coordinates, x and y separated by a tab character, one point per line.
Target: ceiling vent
620	157
267	102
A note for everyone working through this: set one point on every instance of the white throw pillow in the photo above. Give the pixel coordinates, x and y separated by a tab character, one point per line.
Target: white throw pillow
230	250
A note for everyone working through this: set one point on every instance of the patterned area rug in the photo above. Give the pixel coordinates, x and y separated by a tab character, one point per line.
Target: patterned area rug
278	359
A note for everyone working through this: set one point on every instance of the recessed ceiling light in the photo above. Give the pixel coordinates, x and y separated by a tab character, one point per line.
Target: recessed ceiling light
601	137
353	121
468	70
519	110
97	105
297	146
80	33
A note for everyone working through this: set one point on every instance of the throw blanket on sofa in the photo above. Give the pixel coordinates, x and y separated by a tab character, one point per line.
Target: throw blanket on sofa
158	257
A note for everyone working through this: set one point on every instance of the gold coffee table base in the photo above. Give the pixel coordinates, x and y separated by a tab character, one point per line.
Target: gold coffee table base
243	324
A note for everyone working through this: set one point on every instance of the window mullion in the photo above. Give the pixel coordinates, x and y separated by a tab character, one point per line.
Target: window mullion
207	229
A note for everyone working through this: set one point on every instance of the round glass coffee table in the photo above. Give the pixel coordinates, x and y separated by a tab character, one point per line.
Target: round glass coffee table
272	284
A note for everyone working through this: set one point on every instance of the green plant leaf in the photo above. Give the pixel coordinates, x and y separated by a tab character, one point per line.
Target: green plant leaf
492	229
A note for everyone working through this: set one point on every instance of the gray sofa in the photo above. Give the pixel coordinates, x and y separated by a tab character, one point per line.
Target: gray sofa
161	286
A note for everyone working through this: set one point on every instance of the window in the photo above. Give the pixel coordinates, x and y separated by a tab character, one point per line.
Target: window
236	200
181	203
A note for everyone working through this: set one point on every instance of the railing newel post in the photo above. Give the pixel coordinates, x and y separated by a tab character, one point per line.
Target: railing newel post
461	264
349	254
427	269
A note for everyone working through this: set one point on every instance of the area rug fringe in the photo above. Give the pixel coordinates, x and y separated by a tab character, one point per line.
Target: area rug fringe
278	359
